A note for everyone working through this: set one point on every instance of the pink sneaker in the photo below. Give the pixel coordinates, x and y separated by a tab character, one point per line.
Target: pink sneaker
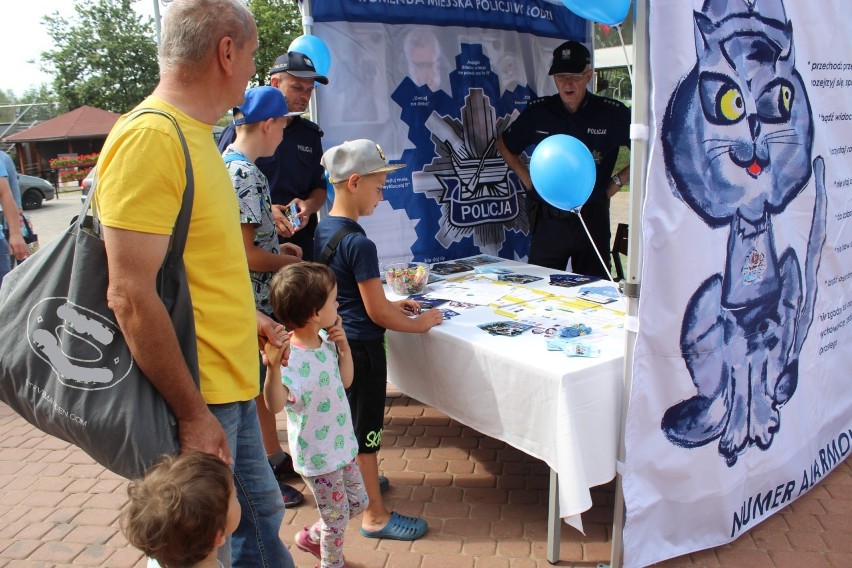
304	542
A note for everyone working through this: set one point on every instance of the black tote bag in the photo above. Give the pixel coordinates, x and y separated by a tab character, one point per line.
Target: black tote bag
64	363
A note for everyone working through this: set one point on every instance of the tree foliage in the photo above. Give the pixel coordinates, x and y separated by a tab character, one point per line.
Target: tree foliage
48	105
15	106
105	56
278	23
7	114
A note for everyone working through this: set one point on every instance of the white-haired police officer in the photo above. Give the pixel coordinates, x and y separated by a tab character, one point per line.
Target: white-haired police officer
603	125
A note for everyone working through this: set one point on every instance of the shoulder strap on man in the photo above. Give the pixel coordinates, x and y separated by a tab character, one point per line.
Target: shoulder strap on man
334	241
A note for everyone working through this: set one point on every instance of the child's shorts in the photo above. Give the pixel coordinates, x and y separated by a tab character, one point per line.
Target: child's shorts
367	393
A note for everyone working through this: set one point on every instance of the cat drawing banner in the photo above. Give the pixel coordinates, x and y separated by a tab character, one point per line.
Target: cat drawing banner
741	400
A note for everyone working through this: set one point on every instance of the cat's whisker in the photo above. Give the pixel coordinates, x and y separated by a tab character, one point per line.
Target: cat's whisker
721	147
714	157
785	132
783	137
719	150
727	143
782	134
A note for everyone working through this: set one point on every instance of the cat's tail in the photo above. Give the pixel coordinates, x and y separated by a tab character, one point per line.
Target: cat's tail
814	254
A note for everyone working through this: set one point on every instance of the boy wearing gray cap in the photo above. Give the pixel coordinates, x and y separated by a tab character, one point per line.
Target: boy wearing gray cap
358	171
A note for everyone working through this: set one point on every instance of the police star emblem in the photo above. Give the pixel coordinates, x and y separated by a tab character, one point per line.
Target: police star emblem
469	178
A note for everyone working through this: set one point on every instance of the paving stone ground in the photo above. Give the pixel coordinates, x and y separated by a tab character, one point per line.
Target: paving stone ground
485	501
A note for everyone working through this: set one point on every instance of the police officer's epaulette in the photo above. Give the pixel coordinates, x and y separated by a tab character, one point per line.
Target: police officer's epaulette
538	101
313	126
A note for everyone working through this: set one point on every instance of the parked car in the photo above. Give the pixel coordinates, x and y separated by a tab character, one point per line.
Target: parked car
86	184
34	191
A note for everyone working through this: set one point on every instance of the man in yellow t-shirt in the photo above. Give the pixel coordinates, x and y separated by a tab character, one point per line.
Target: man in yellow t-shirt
206	60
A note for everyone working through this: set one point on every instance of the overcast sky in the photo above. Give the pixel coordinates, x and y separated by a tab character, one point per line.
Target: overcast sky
25	37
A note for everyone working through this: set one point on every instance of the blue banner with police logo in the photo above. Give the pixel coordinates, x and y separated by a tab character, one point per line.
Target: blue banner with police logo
539	17
434	83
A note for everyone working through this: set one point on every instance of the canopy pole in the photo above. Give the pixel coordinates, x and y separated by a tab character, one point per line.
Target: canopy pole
308	29
640	132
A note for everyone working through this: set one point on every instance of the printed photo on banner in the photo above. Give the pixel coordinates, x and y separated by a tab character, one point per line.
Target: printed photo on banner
445	82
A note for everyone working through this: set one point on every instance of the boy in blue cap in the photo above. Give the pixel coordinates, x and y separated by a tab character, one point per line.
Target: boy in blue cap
260	122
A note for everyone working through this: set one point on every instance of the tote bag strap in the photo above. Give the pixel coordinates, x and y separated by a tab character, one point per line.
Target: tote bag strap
177	243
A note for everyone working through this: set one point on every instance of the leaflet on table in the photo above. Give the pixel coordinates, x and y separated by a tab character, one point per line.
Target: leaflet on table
604	294
574	347
481	259
554	305
474	289
554	313
492	270
519	295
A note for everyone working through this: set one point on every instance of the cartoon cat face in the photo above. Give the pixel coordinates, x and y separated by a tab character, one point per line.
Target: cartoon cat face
738	133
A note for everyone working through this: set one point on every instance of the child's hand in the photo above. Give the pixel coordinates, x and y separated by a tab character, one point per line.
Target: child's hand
275	355
269	330
282	224
408	307
291	249
429	319
304	214
338	336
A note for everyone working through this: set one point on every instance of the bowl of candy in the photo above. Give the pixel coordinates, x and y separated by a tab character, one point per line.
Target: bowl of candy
406	278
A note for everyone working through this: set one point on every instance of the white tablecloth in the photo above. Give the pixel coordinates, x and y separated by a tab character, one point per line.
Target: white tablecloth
564	411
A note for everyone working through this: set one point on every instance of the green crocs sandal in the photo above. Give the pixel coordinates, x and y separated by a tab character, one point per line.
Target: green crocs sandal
399	527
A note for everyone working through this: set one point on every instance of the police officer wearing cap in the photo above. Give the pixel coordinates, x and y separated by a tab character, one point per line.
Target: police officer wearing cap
294	172
603	125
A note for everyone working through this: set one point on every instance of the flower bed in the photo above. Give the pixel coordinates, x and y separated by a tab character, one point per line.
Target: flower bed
82	161
74	175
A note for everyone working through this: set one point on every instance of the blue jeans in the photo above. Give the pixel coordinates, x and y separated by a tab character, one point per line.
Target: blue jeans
256	541
5	259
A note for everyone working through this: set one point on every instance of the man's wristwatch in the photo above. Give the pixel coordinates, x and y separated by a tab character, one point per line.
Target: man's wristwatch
617	181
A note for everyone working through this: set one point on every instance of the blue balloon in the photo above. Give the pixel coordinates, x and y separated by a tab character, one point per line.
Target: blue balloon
563	171
607	12
315	49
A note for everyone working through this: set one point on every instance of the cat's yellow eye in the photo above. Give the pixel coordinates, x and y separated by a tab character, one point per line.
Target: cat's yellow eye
786	97
731	104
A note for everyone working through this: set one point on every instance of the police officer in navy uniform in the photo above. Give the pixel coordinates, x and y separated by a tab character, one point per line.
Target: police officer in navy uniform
603	125
294	172
295	175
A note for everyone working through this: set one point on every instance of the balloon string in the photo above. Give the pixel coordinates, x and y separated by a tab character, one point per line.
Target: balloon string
597	252
626	57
